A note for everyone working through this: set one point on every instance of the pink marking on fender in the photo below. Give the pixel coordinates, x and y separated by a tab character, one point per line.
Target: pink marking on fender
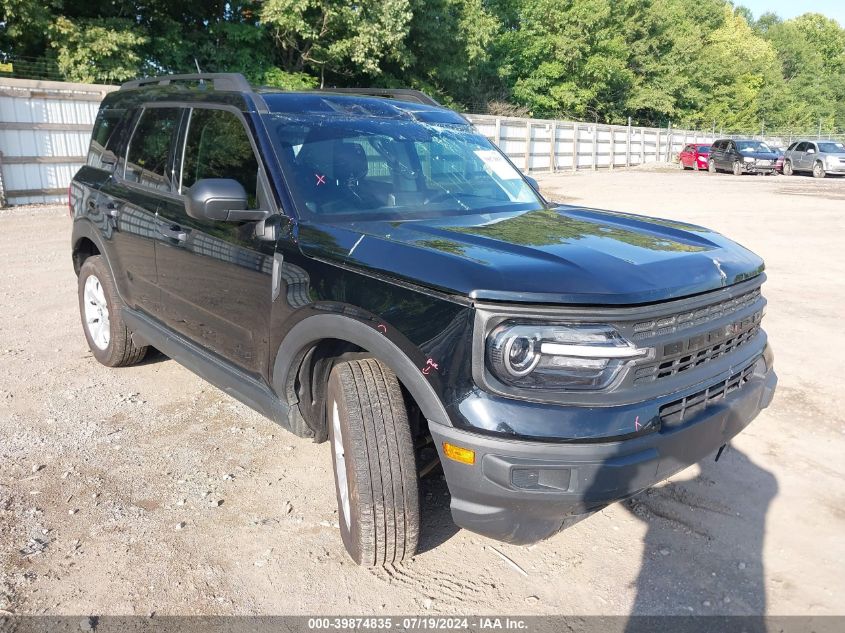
637	424
429	365
381	327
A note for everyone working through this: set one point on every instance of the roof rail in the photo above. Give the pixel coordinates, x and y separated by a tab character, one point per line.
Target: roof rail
402	94
235	82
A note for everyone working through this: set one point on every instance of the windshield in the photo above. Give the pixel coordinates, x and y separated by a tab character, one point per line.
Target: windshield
832	148
703	149
753	146
360	168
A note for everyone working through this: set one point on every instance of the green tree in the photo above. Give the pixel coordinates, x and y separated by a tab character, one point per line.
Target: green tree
448	46
739	74
107	49
566	58
811	53
338	39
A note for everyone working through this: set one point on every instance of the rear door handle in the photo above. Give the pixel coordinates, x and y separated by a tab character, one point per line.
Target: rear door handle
174	232
108	208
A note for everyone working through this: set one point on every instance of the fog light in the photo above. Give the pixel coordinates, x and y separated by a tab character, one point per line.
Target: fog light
458	453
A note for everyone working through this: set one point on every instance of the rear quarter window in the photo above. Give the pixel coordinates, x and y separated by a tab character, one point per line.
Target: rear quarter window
105	135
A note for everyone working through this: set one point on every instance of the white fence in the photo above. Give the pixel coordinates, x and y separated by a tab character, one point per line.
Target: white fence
45	127
537	145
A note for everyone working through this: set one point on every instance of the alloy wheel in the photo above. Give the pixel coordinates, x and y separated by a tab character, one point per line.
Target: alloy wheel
97	312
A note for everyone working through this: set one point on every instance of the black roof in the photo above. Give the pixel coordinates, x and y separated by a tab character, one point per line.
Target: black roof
233	89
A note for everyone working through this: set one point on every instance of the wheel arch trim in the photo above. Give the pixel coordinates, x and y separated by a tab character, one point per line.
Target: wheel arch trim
83	229
315	328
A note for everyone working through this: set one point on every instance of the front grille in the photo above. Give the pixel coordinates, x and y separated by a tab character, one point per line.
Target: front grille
692	318
741	332
675	413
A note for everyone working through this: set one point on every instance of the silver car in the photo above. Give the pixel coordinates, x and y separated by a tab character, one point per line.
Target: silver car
818	157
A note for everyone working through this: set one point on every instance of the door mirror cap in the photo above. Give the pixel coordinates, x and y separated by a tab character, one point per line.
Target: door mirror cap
220	199
810	150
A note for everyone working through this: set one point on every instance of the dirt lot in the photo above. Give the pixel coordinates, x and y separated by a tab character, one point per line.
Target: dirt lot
146	490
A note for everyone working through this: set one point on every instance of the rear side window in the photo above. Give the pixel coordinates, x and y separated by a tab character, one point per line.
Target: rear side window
149	150
105	132
217	146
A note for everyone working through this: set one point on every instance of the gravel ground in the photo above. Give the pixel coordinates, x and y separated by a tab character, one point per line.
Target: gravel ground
147	490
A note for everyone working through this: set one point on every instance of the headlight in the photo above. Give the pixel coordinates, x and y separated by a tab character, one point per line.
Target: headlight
749	159
566	357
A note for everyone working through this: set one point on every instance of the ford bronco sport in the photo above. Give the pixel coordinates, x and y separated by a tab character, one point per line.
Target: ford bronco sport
364	267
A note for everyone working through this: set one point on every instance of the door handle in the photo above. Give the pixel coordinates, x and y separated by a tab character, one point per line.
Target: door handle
174	232
109	209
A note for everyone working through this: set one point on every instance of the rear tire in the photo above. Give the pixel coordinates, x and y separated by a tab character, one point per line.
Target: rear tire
100	308
373	457
819	170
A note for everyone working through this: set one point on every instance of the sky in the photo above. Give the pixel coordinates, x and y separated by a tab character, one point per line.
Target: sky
790	8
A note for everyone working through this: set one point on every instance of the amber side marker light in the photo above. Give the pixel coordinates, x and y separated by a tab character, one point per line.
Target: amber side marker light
458	453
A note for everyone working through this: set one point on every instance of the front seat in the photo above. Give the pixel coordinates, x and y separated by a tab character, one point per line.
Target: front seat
350	167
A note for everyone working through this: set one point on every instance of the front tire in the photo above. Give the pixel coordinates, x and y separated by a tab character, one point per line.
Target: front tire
819	171
787	169
711	166
737	168
99	306
373	457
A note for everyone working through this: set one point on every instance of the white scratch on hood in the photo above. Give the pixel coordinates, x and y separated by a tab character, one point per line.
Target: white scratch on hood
722	273
354	246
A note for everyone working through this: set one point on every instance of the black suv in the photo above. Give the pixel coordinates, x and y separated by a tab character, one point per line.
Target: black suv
742	157
366	268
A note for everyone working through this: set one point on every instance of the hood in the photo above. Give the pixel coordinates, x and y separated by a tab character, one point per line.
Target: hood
762	155
565	254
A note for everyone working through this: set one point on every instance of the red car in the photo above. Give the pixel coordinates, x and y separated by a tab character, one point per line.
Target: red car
694	156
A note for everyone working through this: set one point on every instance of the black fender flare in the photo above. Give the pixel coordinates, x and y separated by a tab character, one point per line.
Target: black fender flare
335	326
84	229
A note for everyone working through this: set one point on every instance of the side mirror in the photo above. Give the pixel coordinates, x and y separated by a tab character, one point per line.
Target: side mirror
810	150
533	182
221	199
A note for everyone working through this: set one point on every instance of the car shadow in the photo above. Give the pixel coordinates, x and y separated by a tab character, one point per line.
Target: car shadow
703	549
436	524
152	357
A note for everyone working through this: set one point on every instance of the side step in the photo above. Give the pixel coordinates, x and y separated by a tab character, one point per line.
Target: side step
215	370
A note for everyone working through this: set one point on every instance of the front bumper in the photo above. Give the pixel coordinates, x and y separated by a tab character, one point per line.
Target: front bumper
557	482
751	168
